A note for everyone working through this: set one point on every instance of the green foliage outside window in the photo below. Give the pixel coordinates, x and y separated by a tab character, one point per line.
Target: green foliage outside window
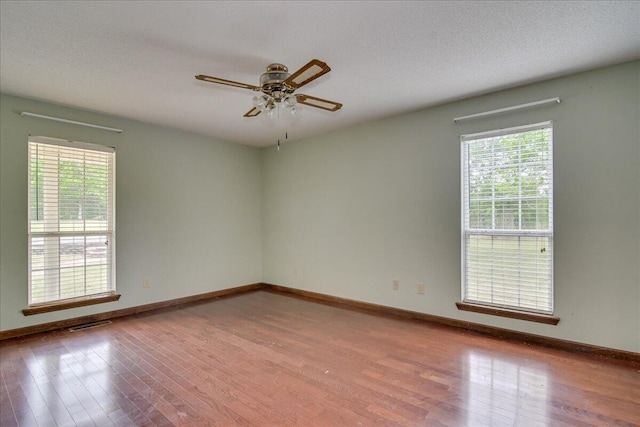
509	182
82	191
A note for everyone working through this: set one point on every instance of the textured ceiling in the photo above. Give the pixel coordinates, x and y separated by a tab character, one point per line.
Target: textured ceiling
138	59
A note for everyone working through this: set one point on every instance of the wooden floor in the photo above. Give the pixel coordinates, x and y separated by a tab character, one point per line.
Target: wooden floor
268	359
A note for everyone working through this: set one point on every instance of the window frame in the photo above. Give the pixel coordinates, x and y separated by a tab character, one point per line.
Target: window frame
108	280
489	307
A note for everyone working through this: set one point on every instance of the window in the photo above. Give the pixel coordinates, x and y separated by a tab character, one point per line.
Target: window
507	216
71	220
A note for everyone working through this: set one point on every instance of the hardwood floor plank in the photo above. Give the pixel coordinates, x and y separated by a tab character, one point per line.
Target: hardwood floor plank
209	378
129	372
201	396
19	400
7	414
267	359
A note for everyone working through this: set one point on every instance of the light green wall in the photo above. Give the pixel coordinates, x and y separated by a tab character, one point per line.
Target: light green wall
188	209
346	213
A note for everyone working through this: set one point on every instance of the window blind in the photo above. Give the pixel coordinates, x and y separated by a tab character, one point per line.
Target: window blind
71	223
507	246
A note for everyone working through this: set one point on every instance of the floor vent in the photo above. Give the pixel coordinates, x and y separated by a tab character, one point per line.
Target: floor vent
89	326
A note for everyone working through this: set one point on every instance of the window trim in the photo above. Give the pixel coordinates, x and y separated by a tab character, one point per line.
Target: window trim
498	309
70	303
505	312
83	300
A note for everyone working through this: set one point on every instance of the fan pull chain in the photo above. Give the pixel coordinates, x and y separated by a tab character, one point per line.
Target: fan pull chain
286	136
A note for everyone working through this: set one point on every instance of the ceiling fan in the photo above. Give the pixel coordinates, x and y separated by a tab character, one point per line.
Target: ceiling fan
277	88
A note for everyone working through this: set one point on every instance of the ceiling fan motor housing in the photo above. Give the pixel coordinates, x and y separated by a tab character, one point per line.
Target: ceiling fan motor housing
272	84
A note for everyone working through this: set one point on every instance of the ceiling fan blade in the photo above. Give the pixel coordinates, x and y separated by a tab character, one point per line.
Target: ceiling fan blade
324	104
314	69
226	82
252	113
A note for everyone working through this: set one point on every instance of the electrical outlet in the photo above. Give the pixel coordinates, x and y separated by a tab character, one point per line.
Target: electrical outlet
396	285
420	288
146	283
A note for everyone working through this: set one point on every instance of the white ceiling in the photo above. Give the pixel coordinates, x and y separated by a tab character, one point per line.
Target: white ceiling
138	59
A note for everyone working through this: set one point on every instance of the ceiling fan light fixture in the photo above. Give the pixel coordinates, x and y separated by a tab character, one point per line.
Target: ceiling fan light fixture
289	102
260	102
